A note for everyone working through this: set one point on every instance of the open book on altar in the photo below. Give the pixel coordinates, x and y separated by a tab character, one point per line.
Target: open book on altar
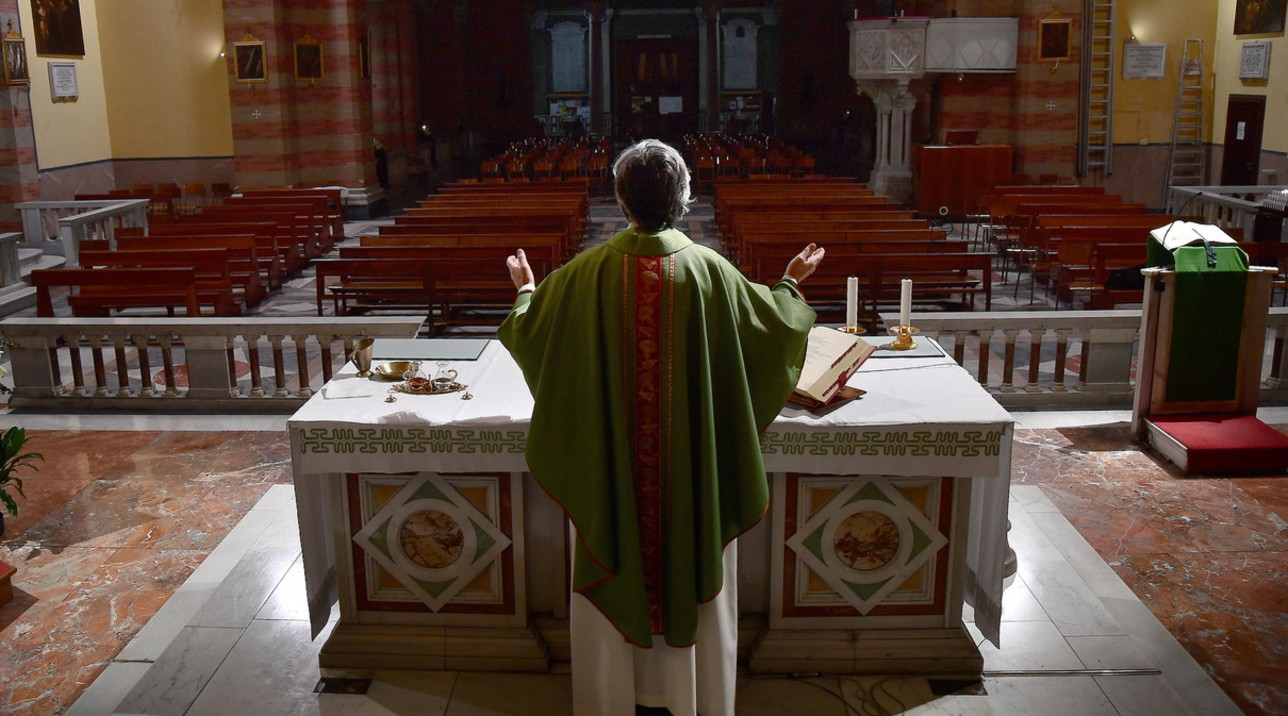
831	357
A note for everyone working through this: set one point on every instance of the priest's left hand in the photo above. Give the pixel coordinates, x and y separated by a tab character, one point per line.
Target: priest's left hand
520	271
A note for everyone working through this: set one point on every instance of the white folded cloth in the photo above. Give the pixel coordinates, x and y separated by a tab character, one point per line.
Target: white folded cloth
352	388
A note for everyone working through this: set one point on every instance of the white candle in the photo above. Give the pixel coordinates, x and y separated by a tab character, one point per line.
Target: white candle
852	301
905	301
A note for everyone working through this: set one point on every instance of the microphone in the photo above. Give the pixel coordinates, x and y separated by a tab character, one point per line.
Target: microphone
1177	216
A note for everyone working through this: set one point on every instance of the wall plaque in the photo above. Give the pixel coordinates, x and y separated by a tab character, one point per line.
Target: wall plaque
62	82
1144	60
1254	61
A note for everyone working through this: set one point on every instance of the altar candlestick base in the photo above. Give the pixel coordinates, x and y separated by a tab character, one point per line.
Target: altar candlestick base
903	338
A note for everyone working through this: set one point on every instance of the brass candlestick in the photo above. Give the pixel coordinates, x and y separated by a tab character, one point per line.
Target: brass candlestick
903	338
855	330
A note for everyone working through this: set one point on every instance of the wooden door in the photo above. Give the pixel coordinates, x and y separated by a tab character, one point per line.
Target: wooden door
657	88
1245	117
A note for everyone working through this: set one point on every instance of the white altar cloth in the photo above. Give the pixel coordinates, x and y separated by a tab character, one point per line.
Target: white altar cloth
919	416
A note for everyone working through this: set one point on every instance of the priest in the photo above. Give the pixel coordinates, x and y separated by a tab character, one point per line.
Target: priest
655	364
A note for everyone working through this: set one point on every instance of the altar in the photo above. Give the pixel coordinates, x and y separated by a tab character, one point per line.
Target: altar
887	514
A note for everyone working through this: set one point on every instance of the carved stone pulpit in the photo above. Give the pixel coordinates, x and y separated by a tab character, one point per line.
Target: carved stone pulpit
886	55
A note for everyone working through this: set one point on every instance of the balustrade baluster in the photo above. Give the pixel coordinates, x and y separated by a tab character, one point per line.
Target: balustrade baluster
1085	355
122	366
167	360
279	366
1276	376
324	346
78	366
985	338
302	364
959	346
1061	355
1035	358
1008	361
145	366
100	368
252	356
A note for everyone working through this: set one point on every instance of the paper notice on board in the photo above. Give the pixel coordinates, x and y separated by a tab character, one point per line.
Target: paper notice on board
670	105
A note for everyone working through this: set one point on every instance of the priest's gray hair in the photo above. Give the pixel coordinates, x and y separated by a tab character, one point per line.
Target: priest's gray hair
652	185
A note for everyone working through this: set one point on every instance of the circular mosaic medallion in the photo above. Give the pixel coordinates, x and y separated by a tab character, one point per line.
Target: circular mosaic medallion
431	538
866	541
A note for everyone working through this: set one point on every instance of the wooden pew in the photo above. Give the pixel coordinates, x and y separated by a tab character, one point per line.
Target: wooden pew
770	260
243	255
936	278
278	259
217	284
96	292
295	229
372	284
333	209
311	211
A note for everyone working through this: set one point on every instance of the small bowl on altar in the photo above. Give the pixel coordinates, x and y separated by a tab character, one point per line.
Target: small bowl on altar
392	370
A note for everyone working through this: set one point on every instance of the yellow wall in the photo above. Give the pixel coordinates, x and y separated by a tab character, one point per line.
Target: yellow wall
68	132
182	111
1143	107
1274	137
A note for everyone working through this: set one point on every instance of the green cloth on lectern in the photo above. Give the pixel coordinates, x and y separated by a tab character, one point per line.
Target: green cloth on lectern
1207	324
654	365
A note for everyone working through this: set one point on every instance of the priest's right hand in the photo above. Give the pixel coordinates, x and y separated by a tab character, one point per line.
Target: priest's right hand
520	271
804	263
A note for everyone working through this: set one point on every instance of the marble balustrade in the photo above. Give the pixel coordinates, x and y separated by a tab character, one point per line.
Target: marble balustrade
80	220
217	364
1023	358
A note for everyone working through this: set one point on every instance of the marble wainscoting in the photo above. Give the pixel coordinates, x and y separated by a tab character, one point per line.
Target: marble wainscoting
113	523
1207	555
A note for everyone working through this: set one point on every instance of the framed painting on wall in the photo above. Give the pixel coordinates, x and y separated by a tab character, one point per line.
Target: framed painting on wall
308	59
248	60
1055	40
16	71
1259	17
58	28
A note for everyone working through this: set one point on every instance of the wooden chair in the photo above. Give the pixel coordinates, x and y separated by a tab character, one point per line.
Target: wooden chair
194	198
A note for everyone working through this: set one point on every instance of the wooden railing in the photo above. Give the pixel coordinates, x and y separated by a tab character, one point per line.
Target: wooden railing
1025	359
177	364
80	220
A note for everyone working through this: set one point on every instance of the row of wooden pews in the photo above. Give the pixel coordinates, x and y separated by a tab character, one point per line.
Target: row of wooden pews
763	223
1087	243
446	255
221	262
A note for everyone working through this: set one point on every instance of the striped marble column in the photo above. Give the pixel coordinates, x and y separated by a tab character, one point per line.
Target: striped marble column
19	180
303	132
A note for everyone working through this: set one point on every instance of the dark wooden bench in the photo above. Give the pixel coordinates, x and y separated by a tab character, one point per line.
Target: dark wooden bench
217	268
936	279
372	284
97	292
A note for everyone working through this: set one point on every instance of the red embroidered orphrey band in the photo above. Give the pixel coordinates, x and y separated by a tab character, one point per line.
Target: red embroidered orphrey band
649	423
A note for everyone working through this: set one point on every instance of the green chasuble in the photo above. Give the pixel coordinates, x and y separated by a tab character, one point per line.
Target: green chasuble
654	365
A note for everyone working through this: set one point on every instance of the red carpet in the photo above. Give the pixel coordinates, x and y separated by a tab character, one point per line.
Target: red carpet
1226	442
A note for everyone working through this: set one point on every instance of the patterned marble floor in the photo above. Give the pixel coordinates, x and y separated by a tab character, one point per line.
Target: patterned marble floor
159	574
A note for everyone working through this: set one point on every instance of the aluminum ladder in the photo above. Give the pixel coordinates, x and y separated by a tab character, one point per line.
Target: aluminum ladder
1095	125
1186	162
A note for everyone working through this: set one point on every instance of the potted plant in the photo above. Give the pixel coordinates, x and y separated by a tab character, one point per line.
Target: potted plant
11	460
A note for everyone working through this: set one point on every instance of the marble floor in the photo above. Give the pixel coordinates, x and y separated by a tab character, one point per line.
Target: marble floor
159	573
